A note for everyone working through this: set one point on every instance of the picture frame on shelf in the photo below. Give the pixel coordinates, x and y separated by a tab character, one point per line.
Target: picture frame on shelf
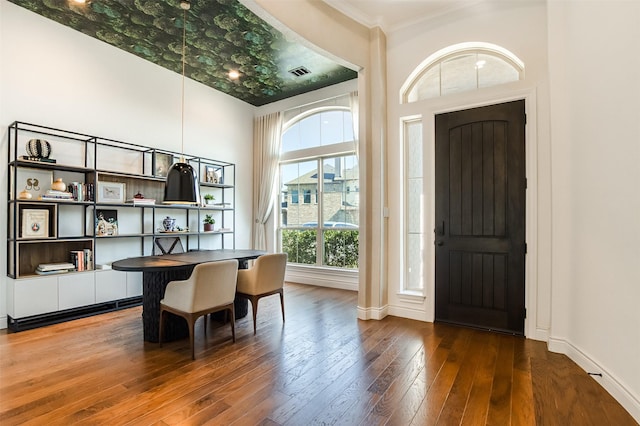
110	192
34	181
106	223
162	162
211	176
219	172
35	223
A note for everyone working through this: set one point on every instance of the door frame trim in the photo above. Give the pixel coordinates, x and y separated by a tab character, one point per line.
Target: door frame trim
531	328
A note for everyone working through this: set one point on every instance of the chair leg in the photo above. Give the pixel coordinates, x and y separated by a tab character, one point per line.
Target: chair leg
254	307
161	330
233	321
192	323
282	303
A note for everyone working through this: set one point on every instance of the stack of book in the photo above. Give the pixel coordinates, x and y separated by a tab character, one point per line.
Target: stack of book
52	194
54	268
82	260
81	191
39	159
142	201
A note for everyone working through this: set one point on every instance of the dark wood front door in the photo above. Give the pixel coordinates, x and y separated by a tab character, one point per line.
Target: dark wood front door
480	217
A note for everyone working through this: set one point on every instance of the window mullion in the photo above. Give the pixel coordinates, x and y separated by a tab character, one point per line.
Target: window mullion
320	234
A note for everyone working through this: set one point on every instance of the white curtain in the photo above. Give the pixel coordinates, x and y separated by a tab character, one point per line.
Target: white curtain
355	110
266	154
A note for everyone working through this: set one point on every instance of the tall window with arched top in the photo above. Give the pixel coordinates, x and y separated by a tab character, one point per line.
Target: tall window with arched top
461	68
319	181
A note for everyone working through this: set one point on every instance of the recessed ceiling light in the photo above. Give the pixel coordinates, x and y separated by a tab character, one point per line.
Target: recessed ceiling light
234	75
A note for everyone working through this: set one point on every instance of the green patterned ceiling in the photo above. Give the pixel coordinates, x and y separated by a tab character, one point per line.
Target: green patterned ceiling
222	35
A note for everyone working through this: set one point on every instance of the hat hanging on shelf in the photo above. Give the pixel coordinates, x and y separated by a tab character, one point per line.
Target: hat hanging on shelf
181	186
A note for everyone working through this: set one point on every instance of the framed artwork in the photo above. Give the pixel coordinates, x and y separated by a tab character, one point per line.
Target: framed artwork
35	181
162	163
110	192
106	223
35	223
213	174
210	174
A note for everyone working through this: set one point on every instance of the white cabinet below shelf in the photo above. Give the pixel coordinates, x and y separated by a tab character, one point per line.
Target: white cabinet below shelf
110	285
134	284
75	290
32	296
27	297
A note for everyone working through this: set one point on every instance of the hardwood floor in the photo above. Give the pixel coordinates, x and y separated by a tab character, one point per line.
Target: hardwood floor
322	367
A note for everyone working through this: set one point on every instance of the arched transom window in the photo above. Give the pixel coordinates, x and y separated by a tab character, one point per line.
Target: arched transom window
461	68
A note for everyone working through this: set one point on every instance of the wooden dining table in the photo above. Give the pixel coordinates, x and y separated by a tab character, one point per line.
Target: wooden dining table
158	271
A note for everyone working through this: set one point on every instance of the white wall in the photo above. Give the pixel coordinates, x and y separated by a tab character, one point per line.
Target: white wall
593	56
56	76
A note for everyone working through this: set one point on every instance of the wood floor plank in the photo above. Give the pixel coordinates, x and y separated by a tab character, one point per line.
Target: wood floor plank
475	411
358	376
522	413
435	398
499	413
322	366
436	353
456	401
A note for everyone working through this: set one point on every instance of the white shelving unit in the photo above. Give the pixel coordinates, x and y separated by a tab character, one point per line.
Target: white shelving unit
114	172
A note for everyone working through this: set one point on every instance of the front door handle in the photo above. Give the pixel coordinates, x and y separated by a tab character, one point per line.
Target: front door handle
440	243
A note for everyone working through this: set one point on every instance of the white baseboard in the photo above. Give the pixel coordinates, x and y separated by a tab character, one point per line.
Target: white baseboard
541	334
405	312
611	383
372	313
3	322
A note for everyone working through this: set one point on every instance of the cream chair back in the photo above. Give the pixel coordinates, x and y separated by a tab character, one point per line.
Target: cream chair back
269	271
215	284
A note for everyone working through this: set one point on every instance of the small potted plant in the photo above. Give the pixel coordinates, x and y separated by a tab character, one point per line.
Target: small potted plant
208	199
208	222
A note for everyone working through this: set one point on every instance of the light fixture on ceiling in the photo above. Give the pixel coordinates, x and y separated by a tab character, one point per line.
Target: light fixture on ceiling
234	75
299	71
181	186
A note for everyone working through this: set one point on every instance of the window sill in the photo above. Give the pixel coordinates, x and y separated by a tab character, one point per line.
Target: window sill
346	279
411	296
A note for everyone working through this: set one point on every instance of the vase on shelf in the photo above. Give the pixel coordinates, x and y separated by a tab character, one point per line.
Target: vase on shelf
59	185
25	195
169	224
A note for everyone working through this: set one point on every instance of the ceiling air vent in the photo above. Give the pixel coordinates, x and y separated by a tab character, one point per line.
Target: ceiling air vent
300	71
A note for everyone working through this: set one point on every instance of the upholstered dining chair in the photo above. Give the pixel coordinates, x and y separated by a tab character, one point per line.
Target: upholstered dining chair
210	288
265	278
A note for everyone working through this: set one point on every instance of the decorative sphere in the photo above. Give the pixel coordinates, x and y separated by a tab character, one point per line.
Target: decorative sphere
39	148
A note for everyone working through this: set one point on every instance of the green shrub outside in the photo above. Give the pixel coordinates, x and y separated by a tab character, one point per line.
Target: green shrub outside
340	247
